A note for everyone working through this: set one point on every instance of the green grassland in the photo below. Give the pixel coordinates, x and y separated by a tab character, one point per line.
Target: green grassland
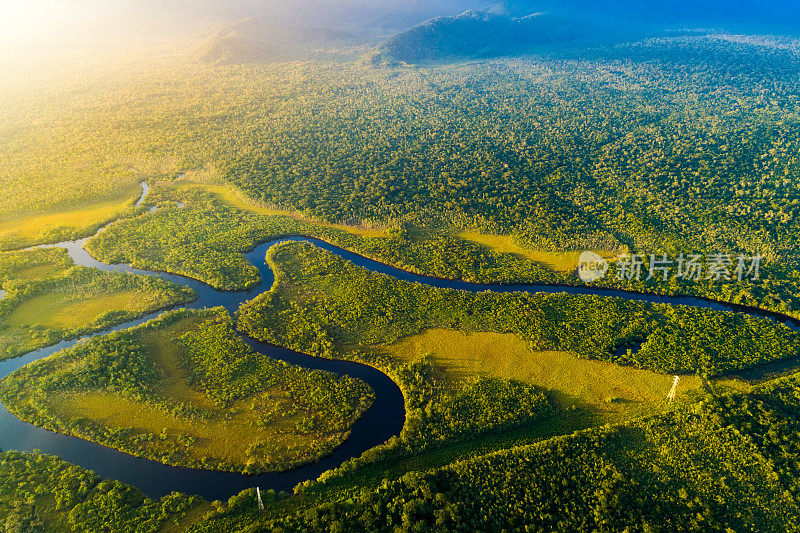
66	224
62	311
610	392
558	261
78	300
34	264
320	301
185	390
492	171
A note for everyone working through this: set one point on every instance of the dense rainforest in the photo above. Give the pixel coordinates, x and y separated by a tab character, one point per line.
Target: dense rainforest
47	299
638	146
523	410
320	301
681	470
168	388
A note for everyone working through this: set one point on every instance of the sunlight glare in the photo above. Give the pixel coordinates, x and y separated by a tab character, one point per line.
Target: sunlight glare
31	20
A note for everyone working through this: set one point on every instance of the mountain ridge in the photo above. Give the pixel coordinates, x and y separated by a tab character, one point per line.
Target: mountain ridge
254	40
475	34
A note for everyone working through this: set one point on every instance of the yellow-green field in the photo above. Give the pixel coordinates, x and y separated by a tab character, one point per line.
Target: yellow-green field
38	228
67	310
35	264
42	271
558	261
73	302
223	434
611	391
235	198
162	351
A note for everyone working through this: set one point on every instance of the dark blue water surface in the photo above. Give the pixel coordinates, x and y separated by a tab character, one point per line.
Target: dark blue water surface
383	420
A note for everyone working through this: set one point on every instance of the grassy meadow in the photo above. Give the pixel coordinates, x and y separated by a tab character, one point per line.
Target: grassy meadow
611	392
232	197
558	261
68	223
47	301
67	310
32	265
565	261
185	390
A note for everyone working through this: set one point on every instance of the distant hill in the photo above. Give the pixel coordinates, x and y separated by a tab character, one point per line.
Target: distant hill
774	15
480	34
254	41
229	32
506	28
181	21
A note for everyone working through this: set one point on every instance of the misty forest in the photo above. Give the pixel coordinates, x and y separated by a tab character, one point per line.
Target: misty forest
446	265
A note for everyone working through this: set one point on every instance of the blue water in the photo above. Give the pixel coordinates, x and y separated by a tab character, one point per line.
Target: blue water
383	420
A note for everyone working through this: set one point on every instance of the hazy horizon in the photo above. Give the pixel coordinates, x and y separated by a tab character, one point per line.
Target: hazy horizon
52	21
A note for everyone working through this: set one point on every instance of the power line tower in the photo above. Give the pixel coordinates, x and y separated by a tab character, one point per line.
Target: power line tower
673	390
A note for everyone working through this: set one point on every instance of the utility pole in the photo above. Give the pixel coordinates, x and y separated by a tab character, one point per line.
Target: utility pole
671	395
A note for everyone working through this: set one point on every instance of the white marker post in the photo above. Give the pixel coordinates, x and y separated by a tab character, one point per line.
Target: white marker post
673	390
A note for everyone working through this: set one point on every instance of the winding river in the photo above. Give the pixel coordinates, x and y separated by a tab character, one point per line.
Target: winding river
383	420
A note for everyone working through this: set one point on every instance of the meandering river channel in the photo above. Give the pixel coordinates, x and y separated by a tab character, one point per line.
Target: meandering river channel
383	420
